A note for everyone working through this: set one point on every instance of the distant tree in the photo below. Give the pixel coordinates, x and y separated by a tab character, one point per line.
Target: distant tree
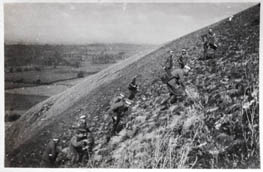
20	80
38	81
103	59
11	70
37	68
26	69
19	69
12	117
77	64
57	57
80	74
121	55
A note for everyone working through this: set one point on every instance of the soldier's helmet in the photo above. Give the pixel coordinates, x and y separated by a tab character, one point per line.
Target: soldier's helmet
55	139
171	51
82	117
122	95
128	102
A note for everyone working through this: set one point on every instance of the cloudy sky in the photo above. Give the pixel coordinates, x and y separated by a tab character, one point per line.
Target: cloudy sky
80	23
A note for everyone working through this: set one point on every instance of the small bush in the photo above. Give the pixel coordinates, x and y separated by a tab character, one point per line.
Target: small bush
18	69
12	117
26	69
11	70
20	80
37	68
80	74
38	81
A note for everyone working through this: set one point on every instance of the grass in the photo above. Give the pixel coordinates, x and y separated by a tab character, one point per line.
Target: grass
208	129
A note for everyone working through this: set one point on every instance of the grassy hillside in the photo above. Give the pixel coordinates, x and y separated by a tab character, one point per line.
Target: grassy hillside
214	126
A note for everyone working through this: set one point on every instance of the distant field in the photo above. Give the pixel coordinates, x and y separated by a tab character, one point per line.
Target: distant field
43	90
49	75
21	102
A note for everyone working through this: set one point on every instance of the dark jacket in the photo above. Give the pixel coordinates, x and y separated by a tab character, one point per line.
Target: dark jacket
181	61
133	86
51	152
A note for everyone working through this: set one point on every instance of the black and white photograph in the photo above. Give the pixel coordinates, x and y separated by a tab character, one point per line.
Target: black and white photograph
131	85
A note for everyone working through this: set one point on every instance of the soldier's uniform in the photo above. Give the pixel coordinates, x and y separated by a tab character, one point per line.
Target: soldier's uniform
182	60
88	137
50	155
132	88
88	146
76	146
117	109
209	41
175	86
169	63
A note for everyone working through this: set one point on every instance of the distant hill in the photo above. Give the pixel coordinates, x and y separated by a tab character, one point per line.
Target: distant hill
216	125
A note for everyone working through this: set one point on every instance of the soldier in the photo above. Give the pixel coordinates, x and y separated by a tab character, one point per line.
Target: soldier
133	88
181	60
88	145
77	143
83	123
169	63
209	42
117	109
175	85
50	154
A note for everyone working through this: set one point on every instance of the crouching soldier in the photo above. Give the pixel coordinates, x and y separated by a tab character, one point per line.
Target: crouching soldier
175	85
88	145
133	88
209	42
50	154
77	143
117	109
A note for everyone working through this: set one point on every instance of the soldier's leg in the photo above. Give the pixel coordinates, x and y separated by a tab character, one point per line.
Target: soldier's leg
75	158
115	124
132	95
42	164
214	47
173	99
205	50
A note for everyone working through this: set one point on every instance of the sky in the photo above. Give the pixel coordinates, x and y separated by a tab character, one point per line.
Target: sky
83	23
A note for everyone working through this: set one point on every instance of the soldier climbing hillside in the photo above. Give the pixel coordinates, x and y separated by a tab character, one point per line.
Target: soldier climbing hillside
50	154
89	144
81	145
174	80
133	88
117	109
209	41
182	59
169	63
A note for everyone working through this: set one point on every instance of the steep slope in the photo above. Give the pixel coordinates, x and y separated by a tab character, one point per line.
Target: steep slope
182	136
217	123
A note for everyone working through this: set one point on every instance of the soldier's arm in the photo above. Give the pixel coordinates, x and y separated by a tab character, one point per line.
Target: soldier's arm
76	143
